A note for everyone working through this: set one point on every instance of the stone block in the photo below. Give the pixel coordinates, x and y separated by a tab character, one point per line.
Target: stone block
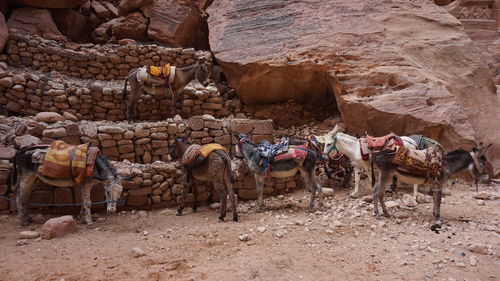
137	200
63	195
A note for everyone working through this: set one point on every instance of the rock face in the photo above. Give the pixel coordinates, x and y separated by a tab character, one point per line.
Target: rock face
60	4
35	21
127	6
133	26
177	23
74	25
4	32
405	67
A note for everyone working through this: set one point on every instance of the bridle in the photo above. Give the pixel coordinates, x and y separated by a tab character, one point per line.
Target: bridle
480	167
334	146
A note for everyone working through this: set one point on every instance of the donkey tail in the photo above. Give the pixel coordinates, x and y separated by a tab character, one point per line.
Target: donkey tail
227	160
372	159
124	92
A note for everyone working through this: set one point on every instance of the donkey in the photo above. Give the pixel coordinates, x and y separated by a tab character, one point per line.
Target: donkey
183	75
216	168
25	175
453	163
281	169
338	142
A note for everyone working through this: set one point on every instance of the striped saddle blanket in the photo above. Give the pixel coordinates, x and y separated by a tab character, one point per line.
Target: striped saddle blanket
63	161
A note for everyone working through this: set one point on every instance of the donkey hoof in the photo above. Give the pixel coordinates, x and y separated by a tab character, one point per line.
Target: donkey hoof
235	218
386	215
194	209
90	226
178	214
221	219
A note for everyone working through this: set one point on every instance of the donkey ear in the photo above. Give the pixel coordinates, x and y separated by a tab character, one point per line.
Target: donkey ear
483	150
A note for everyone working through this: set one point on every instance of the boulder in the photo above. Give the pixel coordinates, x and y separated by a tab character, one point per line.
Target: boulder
103	32
48	117
35	21
133	26
127	6
99	10
405	68
4	32
25	140
51	4
7	153
73	24
176	22
58	227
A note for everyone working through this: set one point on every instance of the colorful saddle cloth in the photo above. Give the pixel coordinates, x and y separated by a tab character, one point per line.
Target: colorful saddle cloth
196	154
425	163
370	144
63	161
294	152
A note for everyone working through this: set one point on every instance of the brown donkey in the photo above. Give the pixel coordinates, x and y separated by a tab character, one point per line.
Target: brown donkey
215	168
183	75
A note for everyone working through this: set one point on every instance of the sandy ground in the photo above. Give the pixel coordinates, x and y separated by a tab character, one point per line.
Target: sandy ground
344	242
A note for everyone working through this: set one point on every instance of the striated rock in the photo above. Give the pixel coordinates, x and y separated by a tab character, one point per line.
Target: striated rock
58	227
103	32
28	234
409	201
138	252
49	117
59	4
127	6
4	32
100	10
177	22
387	66
133	26
74	25
35	21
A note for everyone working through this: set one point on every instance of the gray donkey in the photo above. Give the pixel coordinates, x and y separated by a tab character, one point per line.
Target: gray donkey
183	75
25	175
280	169
453	163
216	168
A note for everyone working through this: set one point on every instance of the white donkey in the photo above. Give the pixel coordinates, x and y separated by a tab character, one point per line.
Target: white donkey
337	142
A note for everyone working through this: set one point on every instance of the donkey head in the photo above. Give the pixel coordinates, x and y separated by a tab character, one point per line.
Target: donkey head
480	170
202	72
330	140
175	148
113	189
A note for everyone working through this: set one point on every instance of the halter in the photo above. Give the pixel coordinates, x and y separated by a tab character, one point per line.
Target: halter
480	168
334	146
240	143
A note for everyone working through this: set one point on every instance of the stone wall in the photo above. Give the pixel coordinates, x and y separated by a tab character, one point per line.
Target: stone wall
33	92
142	149
89	61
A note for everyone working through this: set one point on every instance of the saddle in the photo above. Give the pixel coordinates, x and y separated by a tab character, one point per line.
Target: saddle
369	144
294	152
156	77
159	71
196	154
64	161
424	163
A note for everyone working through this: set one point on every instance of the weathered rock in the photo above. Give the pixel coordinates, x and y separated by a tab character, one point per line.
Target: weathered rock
421	198
245	237
74	25
49	117
401	215
138	252
482	195
28	234
280	233
409	201
127	6
478	248
176	22
381	79
69	116
54	133
57	4
58	227
392	204
35	21
133	26
327	192
103	32
25	140
7	153
367	198
99	10
4	32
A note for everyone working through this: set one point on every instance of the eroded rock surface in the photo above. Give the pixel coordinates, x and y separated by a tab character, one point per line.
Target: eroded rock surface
405	67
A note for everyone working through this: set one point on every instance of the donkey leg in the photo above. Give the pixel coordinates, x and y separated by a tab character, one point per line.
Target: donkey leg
376	197
258	184
394	184
26	185
312	188
437	193
195	195
415	191
183	200
223	200
87	206
319	188
230	191
356	182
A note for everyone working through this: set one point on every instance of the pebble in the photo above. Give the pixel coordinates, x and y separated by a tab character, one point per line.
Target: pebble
280	233
409	201
214	206
368	198
401	215
29	234
327	192
478	248
473	260
244	237
101	219
261	229
392	204
138	252
22	242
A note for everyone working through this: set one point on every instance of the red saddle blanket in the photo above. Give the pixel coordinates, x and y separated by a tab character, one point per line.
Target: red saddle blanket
294	152
426	163
370	144
63	161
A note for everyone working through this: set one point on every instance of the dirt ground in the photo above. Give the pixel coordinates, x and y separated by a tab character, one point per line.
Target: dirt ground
344	242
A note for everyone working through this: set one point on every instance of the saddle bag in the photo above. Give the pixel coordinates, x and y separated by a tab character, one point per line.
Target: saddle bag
425	163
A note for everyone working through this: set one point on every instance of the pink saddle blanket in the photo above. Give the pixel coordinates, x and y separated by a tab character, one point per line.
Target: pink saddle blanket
294	152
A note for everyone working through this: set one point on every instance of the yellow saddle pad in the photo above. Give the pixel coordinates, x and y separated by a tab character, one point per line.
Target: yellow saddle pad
159	71
208	148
